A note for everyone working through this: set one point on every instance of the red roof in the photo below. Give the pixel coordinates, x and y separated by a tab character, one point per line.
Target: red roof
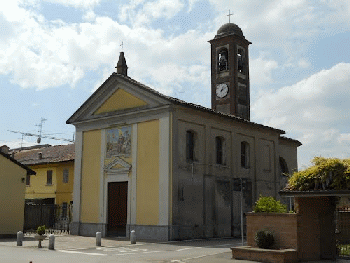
45	154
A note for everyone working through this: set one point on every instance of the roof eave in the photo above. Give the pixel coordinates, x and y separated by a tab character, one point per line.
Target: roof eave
29	171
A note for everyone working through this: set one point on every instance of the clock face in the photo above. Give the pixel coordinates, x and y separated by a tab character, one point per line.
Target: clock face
221	90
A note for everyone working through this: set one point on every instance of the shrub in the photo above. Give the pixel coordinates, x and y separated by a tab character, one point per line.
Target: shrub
264	239
268	204
41	230
325	174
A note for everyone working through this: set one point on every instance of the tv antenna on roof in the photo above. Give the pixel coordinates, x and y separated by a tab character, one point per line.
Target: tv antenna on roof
40	134
40	129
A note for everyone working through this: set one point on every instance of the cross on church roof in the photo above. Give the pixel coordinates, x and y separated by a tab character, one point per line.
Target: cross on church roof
229	15
122	45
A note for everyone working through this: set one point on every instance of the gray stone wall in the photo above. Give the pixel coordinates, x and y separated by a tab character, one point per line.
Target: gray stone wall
206	195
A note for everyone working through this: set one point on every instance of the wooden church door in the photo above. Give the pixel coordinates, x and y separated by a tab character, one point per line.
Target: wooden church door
117	208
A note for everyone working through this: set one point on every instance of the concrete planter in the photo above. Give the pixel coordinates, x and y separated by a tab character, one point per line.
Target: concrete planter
40	238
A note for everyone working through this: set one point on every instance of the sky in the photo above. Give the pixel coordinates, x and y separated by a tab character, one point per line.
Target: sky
55	53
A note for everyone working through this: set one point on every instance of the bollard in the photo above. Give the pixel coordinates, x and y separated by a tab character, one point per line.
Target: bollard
19	238
98	239
52	242
132	237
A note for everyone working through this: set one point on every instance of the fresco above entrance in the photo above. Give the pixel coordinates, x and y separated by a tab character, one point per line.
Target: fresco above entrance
118	142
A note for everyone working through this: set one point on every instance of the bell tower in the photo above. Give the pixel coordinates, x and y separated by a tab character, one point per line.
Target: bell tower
230	72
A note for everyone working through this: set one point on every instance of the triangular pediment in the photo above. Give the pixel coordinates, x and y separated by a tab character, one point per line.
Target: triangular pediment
120	100
118	95
117	166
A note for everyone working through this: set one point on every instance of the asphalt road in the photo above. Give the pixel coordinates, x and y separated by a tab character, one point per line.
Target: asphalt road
174	252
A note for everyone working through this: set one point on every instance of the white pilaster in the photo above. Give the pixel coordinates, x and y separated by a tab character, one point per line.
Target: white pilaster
164	169
77	176
133	175
102	194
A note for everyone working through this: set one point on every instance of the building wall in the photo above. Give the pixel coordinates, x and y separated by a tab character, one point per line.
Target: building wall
38	188
12	191
90	182
148	176
61	192
206	201
64	191
148	173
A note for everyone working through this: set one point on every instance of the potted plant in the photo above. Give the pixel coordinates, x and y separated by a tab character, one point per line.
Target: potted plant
40	236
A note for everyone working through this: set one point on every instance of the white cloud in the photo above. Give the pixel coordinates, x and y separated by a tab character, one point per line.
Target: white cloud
261	70
44	54
316	110
141	12
85	4
303	63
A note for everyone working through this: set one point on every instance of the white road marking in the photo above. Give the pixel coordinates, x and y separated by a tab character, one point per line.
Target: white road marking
77	248
85	253
184	248
123	254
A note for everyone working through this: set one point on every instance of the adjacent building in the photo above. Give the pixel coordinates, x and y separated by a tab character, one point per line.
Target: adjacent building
170	169
12	190
54	167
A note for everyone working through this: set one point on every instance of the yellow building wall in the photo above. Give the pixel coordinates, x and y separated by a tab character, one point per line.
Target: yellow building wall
148	173
38	189
90	183
11	197
120	100
64	192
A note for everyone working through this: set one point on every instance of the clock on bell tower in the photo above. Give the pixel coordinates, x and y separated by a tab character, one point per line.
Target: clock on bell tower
230	72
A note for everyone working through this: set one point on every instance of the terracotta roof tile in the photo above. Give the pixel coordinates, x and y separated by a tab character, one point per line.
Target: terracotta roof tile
46	154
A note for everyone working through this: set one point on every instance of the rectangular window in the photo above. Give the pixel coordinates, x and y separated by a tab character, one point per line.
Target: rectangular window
267	158
245	154
49	177
190	146
28	179
65	175
219	150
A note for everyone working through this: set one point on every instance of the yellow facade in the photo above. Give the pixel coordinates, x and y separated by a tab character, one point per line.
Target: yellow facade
148	173
120	100
90	184
64	190
12	190
61	191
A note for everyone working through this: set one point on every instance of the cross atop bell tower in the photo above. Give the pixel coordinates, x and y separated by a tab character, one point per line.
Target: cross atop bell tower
230	91
229	16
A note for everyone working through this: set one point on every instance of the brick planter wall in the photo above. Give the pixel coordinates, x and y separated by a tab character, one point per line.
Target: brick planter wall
311	231
284	227
265	255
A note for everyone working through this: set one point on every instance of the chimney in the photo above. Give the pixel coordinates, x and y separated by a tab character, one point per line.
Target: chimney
121	67
40	155
5	149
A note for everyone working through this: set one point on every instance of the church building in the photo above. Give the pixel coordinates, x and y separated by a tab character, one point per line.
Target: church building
170	169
